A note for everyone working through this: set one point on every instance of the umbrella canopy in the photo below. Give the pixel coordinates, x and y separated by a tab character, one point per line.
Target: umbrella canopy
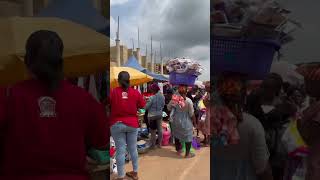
85	50
288	72
136	77
79	11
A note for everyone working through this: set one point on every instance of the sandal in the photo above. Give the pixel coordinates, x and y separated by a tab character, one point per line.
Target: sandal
191	155
133	175
124	178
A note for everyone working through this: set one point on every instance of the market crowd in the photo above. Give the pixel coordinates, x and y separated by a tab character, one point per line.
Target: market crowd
267	130
183	112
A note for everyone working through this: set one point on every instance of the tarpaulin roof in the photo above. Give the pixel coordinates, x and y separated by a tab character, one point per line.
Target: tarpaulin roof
155	76
79	11
133	63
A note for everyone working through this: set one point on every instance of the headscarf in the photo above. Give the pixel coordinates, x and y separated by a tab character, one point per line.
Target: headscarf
154	87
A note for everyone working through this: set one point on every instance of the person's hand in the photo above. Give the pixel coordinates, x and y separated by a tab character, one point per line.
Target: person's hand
194	120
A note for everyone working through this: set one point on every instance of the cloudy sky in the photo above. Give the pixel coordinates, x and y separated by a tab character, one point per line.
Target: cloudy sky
182	27
306	46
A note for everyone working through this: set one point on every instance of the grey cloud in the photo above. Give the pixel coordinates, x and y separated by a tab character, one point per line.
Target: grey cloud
181	25
306	46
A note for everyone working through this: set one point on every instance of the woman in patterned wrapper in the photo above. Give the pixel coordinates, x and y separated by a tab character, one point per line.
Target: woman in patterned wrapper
239	149
48	122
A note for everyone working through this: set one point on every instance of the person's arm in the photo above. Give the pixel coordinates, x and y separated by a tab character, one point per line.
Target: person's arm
148	105
141	102
206	100
98	133
170	105
190	108
260	154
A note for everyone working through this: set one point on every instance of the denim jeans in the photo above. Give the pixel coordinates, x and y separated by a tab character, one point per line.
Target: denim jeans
125	137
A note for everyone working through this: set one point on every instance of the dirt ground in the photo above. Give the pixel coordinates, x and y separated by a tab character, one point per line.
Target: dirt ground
164	164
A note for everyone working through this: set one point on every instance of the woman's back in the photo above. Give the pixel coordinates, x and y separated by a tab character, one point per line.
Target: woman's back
157	103
47	135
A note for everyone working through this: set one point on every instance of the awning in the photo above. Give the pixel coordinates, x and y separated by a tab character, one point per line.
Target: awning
133	63
79	11
157	77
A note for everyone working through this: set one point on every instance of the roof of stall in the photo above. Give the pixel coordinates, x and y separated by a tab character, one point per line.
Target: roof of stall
79	11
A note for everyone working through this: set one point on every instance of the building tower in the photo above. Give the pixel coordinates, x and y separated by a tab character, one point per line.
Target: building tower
118	45
152	60
138	49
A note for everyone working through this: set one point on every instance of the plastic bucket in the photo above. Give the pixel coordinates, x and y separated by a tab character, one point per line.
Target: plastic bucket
182	78
247	56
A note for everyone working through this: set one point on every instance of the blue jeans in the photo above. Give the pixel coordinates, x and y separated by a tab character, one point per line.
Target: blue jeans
125	136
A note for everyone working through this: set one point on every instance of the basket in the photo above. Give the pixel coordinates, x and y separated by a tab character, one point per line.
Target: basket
182	79
246	56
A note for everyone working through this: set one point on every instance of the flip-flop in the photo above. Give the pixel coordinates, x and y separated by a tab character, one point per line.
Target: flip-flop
191	155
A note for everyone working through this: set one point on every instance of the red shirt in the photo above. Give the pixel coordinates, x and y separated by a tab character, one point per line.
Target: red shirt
124	106
46	135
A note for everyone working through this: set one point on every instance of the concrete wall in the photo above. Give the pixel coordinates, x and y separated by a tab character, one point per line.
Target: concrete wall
123	54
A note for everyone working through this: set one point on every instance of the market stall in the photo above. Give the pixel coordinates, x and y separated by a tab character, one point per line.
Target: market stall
136	77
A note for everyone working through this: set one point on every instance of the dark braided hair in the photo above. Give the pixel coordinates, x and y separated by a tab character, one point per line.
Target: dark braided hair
44	58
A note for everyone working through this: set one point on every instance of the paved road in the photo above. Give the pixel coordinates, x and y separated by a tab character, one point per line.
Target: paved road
164	164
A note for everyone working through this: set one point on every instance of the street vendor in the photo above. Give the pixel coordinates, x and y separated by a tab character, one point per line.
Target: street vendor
182	116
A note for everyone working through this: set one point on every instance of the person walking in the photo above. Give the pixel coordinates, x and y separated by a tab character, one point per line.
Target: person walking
155	108
125	102
46	122
204	123
309	124
182	116
239	146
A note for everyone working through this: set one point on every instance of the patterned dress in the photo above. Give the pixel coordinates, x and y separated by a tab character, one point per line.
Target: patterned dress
182	120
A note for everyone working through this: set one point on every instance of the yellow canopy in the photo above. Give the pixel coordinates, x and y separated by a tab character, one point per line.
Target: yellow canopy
136	77
85	50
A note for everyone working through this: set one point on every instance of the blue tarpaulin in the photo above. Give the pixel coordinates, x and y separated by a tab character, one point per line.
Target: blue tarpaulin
155	76
78	11
133	63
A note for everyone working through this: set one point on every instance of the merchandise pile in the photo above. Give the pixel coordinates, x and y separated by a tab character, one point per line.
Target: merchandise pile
264	19
184	65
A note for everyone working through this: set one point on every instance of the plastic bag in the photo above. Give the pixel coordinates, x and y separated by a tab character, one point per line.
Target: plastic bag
292	138
201	105
192	150
300	173
102	157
